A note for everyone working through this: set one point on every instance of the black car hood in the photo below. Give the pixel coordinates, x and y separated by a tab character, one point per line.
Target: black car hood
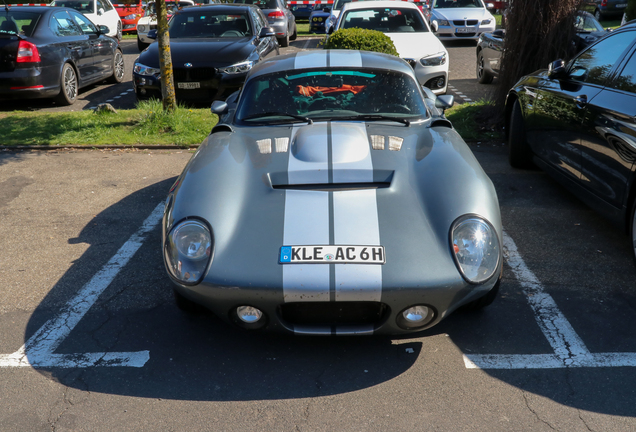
213	52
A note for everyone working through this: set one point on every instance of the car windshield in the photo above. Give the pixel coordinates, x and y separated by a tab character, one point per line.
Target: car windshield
83	6
443	4
319	94
339	4
587	23
263	4
387	20
171	7
22	23
209	24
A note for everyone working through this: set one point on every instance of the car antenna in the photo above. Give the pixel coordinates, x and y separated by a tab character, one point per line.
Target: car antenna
6	5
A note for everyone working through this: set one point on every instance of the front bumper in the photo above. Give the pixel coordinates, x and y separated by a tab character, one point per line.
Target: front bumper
433	77
129	26
463	32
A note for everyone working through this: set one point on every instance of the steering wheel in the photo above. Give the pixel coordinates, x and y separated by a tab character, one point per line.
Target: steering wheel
232	33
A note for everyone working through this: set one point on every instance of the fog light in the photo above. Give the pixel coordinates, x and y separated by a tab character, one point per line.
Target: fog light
415	317
415	314
440	82
142	81
248	314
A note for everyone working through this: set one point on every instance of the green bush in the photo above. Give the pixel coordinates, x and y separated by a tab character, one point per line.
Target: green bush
361	39
631	10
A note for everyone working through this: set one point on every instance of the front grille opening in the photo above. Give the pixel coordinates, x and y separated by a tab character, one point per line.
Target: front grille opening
334	313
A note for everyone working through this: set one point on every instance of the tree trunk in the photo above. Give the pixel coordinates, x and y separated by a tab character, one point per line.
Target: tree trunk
537	33
165	58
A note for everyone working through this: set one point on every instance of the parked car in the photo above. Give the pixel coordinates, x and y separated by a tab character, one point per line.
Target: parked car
577	121
318	18
100	12
53	52
280	18
213	47
302	11
149	21
334	12
129	12
290	216
490	46
604	9
462	19
406	26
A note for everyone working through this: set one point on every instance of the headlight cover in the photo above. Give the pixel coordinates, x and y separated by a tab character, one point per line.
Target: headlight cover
188	251
486	21
141	28
146	70
476	249
434	60
443	23
131	16
242	67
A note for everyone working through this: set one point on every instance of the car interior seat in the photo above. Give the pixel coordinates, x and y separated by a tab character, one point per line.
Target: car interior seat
9	27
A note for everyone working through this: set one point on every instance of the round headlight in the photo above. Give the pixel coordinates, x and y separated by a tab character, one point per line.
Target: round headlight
476	248
188	250
141	28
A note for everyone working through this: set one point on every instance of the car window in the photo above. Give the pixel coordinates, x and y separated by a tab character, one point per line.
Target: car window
22	23
83	6
171	7
587	23
107	5
263	4
331	94
257	23
385	19
84	23
62	25
594	64
206	24
626	81
442	4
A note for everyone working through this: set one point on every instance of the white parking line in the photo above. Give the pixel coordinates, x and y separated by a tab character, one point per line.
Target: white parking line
569	349
38	351
460	94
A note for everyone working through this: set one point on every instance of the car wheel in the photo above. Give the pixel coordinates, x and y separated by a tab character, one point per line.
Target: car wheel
484	301
119	34
284	42
68	86
483	75
519	152
597	15
185	304
295	35
141	45
118	68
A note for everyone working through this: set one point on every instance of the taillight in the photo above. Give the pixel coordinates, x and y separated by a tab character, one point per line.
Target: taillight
604	3
27	53
276	14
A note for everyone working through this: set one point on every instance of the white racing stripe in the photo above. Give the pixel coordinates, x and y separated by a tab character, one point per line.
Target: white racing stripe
310	59
339	58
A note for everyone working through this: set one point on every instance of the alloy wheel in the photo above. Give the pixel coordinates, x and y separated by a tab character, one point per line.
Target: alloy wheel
70	83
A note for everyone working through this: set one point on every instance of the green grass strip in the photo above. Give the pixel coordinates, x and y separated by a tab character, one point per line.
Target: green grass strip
475	121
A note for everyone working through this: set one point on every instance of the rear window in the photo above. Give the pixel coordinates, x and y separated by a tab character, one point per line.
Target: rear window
22	23
263	4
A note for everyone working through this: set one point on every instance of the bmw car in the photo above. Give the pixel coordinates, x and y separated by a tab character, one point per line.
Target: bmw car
333	198
462	19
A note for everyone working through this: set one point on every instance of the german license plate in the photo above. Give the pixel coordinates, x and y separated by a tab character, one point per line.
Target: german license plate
328	254
464	30
621	6
188	85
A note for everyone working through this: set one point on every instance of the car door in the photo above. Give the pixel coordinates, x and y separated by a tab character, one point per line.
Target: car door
89	29
560	104
608	136
76	42
104	46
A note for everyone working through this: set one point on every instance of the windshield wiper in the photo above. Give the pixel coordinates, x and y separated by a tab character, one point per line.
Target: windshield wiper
279	113
376	117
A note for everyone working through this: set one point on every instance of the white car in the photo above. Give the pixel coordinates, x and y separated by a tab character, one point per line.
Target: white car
100	12
405	24
149	20
462	19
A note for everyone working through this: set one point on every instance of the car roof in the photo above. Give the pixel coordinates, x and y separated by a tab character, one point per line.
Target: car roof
334	58
380	4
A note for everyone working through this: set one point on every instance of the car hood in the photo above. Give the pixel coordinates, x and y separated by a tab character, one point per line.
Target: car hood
460	14
213	52
409	46
260	188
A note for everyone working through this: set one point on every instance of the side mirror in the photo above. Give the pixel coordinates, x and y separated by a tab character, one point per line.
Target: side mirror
100	11
103	29
490	6
434	26
218	107
152	34
556	69
266	32
331	30
444	102
499	33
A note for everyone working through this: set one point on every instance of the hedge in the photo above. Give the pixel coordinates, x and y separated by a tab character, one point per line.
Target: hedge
361	39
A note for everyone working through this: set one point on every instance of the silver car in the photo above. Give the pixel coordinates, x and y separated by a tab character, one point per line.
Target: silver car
280	18
333	197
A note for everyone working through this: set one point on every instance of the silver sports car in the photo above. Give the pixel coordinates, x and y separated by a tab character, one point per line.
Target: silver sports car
333	197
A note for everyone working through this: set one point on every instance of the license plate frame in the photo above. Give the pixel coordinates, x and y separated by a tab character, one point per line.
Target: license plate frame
332	254
189	85
464	30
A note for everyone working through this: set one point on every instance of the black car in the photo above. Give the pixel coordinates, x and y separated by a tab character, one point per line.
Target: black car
53	52
317	19
213	47
577	121
490	45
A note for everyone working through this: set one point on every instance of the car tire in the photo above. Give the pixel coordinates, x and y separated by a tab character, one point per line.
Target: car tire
185	304
119	32
68	86
519	152
598	15
483	76
141	45
295	34
484	301
118	68
284	42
